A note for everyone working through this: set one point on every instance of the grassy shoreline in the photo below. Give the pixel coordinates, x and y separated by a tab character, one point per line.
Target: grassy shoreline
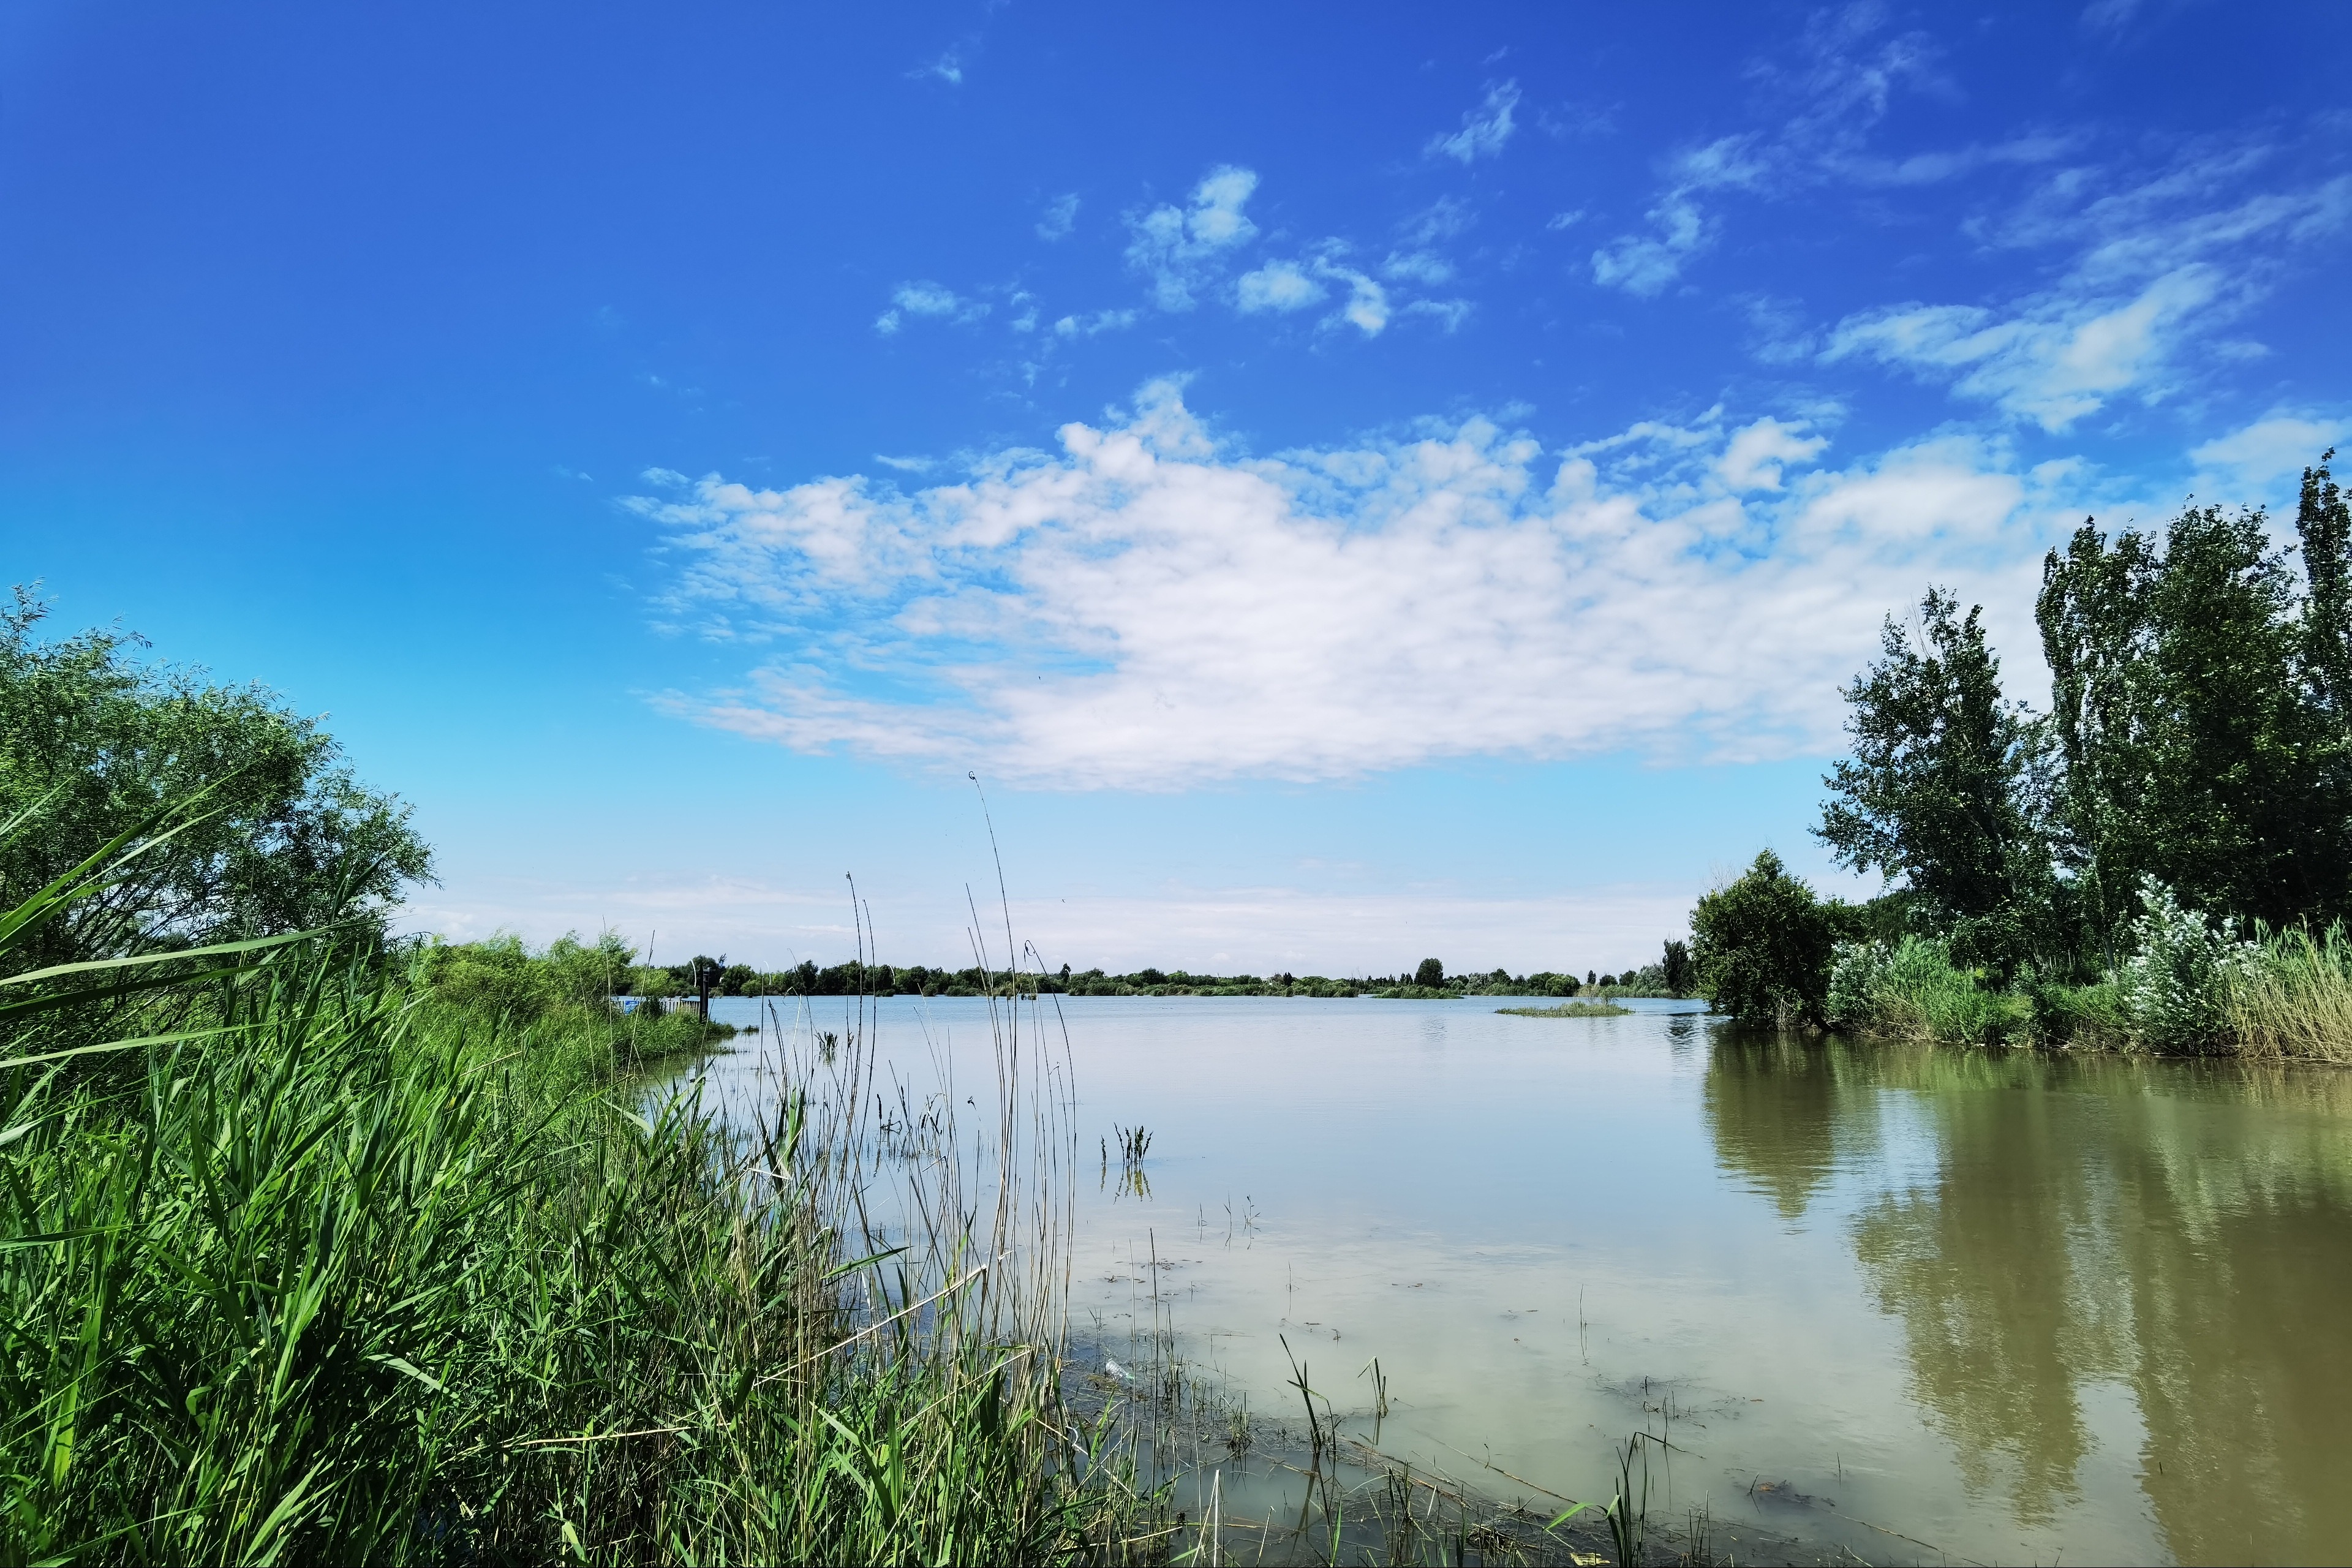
2187	991
356	1274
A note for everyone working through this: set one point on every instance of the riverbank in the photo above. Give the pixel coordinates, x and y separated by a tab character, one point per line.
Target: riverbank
2188	991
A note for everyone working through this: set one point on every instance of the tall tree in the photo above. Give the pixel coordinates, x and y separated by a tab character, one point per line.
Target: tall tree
1933	791
2191	707
2323	522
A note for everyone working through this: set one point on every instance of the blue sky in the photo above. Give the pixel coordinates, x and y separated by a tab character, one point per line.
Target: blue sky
1354	482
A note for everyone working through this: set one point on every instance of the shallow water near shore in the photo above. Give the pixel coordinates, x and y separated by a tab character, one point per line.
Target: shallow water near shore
1919	1304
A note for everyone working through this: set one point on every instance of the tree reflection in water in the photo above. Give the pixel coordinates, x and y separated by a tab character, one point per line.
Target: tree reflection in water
2040	1225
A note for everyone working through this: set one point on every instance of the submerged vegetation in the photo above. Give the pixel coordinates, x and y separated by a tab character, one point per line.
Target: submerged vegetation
2162	863
1571	1010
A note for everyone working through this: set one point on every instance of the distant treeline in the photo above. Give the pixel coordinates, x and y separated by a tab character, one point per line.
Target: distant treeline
1671	975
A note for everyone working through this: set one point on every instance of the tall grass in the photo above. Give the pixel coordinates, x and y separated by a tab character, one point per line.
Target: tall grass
348	1275
2295	1001
1914	992
2281	996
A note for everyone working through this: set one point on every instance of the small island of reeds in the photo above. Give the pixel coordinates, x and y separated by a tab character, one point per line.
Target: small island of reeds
1571	1010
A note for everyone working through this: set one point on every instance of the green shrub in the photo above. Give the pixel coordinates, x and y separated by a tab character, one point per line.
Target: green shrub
1761	946
2086	1016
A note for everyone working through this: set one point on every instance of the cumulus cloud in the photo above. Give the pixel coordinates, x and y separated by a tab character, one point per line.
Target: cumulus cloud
2054	362
1644	265
1147	608
1179	248
1484	130
1277	285
1365	308
1288	286
1753	458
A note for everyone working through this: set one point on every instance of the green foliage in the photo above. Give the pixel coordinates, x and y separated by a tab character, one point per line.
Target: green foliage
1915	991
2199	724
1676	971
93	743
1933	791
357	1274
344	1291
1763	944
1429	973
500	975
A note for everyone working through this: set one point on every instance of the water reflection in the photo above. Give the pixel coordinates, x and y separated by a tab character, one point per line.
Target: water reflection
2058	1238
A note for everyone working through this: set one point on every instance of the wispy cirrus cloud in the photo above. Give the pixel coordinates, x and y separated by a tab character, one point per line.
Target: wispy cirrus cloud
927	299
1060	216
1485	130
2160	264
1147	608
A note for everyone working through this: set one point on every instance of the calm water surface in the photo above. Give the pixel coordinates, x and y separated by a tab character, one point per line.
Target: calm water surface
2002	1308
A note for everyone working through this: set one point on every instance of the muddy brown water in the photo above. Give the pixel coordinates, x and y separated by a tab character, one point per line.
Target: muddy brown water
1921	1305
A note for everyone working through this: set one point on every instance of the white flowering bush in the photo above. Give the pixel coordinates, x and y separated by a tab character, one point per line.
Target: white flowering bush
1854	969
2175	987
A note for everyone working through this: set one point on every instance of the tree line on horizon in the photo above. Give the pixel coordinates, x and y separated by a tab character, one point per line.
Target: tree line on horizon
1670	974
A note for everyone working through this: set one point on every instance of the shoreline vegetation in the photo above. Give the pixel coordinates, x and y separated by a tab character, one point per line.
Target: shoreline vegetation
2161	863
339	1256
317	1246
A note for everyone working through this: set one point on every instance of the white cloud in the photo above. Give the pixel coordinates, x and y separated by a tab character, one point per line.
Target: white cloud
1418	267
1277	285
1061	215
1644	264
948	67
1450	313
1484	130
1146	609
1288	286
1094	324
2252	461
2054	362
1179	248
1559	221
1753	459
2159	264
1367	307
935	300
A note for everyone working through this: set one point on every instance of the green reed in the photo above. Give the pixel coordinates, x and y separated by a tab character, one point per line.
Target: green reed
348	1276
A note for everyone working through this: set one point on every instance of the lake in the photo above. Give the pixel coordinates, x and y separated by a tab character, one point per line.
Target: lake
1919	1303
